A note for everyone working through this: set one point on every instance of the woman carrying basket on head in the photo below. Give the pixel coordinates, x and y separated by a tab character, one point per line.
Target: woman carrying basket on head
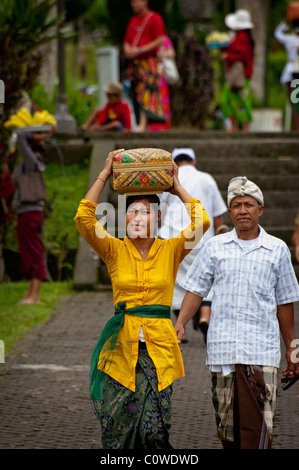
138	357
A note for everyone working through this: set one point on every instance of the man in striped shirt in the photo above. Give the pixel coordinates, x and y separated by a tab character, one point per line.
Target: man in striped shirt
254	290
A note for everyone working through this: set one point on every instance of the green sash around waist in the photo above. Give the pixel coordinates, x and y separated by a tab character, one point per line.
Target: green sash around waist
108	338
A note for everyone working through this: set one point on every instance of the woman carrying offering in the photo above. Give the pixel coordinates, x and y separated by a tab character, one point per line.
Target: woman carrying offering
138	357
236	104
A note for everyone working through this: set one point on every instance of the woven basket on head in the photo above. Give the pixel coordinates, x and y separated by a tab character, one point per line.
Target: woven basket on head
142	171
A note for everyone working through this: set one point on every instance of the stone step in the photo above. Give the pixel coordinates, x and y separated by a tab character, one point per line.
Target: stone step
208	144
283	232
181	134
228	149
282	199
260	166
275	217
266	183
278	200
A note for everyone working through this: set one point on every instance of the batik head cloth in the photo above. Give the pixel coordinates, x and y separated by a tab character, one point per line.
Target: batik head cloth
241	186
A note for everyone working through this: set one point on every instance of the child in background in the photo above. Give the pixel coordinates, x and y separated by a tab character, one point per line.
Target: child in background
115	116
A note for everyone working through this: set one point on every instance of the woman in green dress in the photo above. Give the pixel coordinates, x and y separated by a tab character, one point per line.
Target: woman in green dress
236	103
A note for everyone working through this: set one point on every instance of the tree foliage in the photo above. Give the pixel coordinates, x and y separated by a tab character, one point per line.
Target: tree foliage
25	25
192	96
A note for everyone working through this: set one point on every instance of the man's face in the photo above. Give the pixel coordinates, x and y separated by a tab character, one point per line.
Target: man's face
245	212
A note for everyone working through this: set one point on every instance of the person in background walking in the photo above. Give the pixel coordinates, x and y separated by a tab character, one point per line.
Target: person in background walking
254	288
31	215
236	105
204	187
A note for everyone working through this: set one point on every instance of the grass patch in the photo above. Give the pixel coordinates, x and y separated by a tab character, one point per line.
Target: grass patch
16	320
60	234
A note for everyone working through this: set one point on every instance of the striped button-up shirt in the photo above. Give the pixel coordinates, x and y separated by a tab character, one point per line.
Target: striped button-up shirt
249	281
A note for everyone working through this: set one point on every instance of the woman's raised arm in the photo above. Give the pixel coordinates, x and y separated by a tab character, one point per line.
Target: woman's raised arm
94	193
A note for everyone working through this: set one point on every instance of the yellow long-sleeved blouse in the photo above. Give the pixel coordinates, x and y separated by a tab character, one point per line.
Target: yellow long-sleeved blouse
137	283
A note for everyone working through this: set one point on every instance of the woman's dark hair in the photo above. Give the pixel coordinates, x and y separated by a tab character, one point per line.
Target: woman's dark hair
152	198
183	157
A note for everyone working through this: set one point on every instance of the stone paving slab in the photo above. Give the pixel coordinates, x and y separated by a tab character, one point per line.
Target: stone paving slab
44	400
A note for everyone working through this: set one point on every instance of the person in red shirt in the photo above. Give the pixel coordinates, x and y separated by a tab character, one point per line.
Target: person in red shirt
115	116
236	105
143	38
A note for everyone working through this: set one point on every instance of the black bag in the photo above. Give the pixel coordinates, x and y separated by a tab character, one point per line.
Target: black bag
32	187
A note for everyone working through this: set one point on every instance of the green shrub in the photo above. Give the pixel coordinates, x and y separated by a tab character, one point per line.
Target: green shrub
276	92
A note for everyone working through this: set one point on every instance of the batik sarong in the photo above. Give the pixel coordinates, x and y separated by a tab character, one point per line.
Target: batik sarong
140	419
245	403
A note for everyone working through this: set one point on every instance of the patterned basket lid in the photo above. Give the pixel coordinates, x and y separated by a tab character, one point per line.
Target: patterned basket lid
142	171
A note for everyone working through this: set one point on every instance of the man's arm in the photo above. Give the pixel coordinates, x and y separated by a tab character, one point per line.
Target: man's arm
190	305
285	315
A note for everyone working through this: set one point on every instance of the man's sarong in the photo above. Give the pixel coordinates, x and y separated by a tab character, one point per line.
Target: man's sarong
140	419
245	404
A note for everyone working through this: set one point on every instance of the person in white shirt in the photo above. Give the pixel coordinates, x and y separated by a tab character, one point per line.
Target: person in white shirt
290	41
254	288
174	219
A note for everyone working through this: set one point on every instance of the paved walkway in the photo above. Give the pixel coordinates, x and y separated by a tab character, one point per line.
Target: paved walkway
44	400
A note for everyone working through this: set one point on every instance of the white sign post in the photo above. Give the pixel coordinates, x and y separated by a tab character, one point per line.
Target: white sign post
107	69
